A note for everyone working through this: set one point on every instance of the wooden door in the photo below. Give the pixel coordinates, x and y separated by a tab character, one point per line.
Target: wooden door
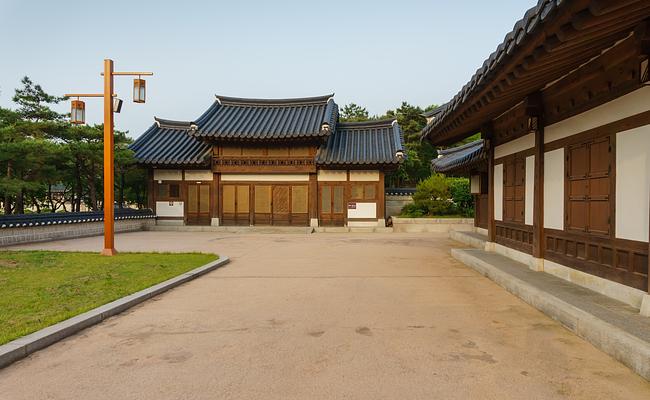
198	204
280	205
262	205
235	204
332	205
299	205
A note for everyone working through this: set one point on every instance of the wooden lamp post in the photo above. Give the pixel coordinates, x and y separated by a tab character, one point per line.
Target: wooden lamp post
78	117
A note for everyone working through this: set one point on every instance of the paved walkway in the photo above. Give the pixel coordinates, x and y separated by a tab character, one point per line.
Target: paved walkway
359	316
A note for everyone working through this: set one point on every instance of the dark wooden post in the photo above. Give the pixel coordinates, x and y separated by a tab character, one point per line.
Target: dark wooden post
215	197
381	197
534	111
487	133
313	197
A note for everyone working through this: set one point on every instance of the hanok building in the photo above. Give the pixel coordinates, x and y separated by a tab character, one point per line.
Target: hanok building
563	106
269	162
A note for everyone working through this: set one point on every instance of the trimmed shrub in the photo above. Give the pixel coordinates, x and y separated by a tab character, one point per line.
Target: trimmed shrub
440	196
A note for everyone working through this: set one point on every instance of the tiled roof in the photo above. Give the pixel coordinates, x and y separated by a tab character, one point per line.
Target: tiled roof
363	143
459	158
435	112
265	119
170	143
532	55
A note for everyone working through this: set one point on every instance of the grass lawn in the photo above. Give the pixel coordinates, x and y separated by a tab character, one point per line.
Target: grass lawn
41	288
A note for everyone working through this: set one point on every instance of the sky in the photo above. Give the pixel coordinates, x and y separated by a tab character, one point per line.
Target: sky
373	53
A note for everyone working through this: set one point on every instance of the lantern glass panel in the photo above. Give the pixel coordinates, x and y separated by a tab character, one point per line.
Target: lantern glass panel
78	112
139	92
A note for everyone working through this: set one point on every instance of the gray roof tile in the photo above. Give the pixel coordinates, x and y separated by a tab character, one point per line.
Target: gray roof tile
363	143
459	158
235	118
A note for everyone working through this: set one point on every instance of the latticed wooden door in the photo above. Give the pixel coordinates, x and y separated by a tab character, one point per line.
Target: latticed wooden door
332	207
235	204
280	205
262	210
198	204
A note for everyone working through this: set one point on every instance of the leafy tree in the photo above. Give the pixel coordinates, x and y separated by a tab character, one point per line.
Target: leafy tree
33	102
354	113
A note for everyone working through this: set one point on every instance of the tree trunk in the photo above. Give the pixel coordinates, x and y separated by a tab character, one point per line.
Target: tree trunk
92	189
49	197
20	202
35	202
7	200
122	189
76	205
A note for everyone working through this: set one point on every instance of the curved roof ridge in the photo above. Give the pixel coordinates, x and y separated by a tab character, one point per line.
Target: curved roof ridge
460	148
252	101
173	124
369	123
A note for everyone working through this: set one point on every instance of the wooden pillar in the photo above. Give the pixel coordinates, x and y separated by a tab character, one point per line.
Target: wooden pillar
313	197
151	187
381	197
535	113
488	135
216	197
109	166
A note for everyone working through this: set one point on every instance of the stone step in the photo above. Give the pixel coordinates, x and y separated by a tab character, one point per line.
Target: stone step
473	239
612	326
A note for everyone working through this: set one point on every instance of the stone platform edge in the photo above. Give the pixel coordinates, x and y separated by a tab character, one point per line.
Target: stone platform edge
26	345
624	347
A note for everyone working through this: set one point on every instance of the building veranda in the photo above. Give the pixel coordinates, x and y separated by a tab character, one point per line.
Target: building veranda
269	162
562	171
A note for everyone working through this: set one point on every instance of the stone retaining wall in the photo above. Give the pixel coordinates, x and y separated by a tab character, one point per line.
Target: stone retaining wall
415	225
10	236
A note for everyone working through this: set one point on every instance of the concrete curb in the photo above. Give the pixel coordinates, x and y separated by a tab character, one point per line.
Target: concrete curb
26	345
624	347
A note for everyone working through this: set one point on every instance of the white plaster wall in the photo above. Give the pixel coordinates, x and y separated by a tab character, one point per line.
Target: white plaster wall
364	176
530	189
169	208
520	144
265	177
632	183
475	184
363	210
554	189
332	175
167	175
622	107
198	175
498	192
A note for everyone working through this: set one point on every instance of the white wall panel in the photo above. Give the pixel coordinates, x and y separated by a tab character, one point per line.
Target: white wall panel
167	175
554	189
498	192
622	107
632	183
198	175
530	189
332	175
265	177
169	209
363	210
364	176
520	144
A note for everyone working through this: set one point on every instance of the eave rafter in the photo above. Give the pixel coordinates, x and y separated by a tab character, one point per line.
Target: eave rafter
565	40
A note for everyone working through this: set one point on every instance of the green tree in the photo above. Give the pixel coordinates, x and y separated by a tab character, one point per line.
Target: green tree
353	113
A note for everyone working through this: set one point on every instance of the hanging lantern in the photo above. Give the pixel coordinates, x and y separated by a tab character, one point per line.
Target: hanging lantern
139	92
78	113
117	105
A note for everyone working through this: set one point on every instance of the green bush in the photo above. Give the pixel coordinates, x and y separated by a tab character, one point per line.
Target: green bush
439	196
